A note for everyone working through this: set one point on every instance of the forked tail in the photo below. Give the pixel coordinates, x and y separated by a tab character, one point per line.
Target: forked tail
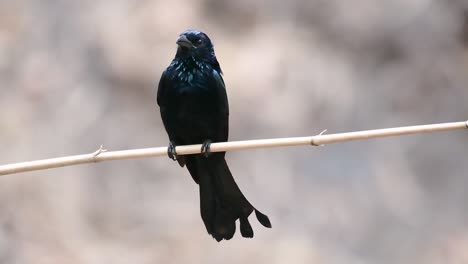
221	200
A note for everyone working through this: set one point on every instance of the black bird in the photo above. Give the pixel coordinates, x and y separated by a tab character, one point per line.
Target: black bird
194	109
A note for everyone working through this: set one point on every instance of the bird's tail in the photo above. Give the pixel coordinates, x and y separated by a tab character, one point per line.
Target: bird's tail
222	202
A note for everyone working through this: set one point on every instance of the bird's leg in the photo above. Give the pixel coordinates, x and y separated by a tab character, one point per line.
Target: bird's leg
171	152
205	148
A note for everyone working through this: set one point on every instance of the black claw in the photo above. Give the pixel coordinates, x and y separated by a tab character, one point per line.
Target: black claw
171	152
205	149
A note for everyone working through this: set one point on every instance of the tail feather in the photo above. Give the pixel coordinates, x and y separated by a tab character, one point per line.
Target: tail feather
221	200
263	219
246	228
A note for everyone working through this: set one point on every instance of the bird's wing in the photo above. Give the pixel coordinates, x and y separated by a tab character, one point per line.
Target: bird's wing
161	89
223	106
162	102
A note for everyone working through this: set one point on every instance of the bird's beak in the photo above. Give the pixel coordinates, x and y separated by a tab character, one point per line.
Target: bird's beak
183	41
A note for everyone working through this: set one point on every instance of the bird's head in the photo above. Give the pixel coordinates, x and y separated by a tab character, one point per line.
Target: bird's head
196	44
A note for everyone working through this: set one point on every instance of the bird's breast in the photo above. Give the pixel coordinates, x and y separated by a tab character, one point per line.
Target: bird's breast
192	91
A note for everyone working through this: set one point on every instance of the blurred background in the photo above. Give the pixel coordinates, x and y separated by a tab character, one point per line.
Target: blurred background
78	74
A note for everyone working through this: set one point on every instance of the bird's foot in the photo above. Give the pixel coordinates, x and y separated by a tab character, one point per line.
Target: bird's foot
205	148
171	152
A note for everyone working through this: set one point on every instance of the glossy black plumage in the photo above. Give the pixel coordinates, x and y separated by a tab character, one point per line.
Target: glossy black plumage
194	108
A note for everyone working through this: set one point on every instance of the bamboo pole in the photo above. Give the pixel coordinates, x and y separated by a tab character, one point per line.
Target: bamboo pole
318	140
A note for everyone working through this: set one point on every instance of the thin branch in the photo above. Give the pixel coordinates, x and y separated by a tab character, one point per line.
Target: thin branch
318	140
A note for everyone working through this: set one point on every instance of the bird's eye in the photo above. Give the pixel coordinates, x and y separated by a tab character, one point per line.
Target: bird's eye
199	41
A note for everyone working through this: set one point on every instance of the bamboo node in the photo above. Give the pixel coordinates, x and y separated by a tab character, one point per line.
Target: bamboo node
99	151
312	140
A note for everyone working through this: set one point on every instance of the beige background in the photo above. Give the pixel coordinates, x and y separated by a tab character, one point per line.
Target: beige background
78	74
